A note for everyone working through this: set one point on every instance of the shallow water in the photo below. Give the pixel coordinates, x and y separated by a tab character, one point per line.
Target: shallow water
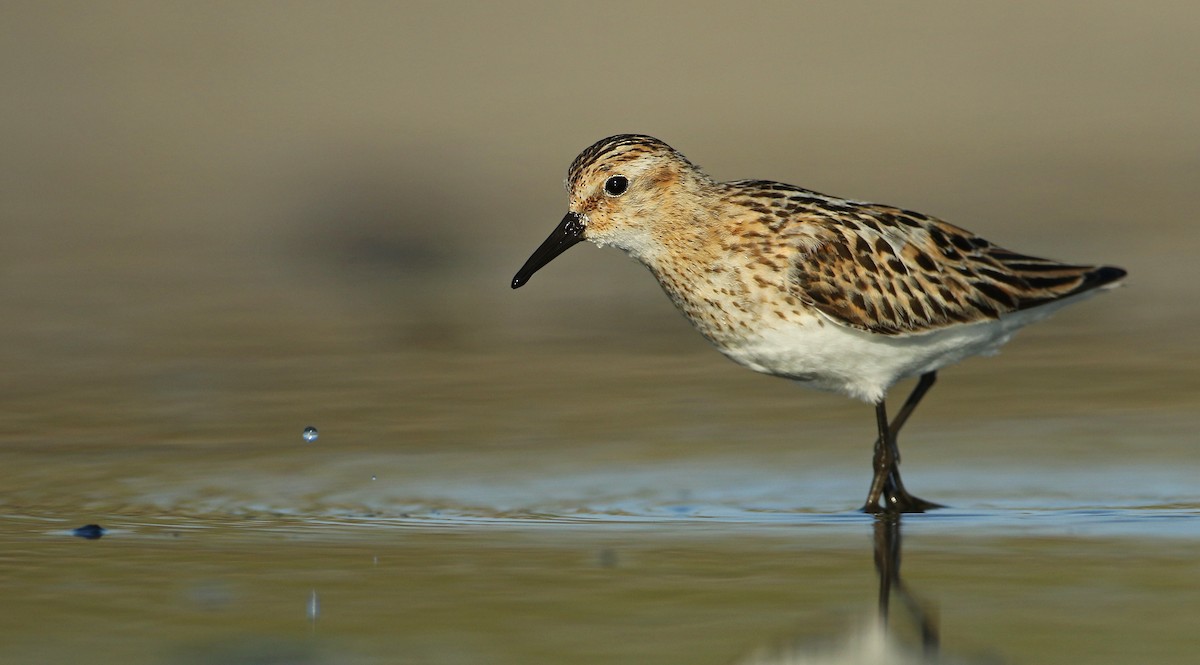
673	510
448	590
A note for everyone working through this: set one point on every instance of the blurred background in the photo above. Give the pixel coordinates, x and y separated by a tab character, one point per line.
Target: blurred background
198	192
222	222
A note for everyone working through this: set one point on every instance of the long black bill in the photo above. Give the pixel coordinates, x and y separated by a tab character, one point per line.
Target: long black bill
568	232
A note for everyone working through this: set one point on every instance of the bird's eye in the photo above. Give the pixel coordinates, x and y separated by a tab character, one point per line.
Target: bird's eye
616	185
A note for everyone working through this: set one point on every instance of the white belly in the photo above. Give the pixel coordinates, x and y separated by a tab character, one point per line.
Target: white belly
836	358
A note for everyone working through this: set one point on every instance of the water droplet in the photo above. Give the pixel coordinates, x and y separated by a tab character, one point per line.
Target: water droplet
310	434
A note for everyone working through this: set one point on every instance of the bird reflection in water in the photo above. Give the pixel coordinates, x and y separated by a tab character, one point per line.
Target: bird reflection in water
902	634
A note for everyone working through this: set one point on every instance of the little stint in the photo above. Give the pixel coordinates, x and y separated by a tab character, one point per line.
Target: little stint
838	295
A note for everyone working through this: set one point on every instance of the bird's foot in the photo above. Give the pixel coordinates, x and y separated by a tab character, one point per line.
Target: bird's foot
903	502
900	502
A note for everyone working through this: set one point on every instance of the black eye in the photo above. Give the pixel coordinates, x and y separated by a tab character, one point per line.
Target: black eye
616	185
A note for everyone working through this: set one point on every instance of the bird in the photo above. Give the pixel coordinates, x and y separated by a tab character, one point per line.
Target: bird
839	295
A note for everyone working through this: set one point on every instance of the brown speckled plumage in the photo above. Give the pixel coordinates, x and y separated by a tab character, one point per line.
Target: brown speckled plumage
839	295
891	271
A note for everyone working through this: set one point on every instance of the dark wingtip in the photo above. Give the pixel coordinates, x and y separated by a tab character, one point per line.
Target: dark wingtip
518	282
1104	275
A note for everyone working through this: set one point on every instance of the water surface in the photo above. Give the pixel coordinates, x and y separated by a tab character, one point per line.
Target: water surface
664	510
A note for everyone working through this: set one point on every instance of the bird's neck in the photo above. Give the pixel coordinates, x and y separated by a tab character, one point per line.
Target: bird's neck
694	270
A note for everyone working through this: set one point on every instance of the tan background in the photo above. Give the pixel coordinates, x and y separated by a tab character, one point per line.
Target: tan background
187	178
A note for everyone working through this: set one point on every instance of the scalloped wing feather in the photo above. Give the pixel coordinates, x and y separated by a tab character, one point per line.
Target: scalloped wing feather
894	272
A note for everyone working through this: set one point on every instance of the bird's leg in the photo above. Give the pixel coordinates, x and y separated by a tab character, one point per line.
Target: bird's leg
882	463
923	385
894	491
896	498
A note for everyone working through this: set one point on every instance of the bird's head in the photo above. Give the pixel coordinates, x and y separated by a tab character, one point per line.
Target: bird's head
623	191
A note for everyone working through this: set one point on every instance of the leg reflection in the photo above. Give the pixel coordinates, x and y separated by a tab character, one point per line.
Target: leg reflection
887	565
900	631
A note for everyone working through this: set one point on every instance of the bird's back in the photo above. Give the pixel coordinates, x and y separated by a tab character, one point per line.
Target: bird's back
890	271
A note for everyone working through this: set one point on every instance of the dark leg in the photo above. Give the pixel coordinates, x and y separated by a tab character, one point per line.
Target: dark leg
882	462
886	483
894	493
923	385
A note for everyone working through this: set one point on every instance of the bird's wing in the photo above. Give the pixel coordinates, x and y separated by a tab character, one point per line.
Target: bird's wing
895	272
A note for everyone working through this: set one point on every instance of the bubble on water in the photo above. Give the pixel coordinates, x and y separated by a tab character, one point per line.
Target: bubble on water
310	434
